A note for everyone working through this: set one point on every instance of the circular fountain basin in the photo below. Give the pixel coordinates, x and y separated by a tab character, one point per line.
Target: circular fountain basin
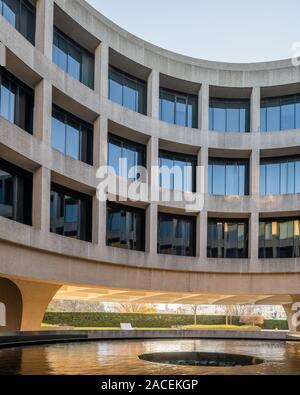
201	359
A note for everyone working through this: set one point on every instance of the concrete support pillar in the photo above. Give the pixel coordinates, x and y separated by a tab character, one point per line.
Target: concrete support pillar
101	69
44	26
203	107
201	249
2	55
11	306
293	310
153	95
152	210
254	172
43	111
41	199
253	236
255	110
100	159
35	300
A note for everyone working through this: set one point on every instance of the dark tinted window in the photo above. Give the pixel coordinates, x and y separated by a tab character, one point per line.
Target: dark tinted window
15	193
127	90
16	101
183	178
228	176
22	15
229	115
280	113
178	108
70	213
73	59
125	227
279	238
133	153
72	136
227	238
176	235
280	176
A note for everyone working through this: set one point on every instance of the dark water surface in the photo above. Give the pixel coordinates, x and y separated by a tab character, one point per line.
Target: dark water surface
121	357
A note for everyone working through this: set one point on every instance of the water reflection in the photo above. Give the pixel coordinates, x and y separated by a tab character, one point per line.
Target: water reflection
121	357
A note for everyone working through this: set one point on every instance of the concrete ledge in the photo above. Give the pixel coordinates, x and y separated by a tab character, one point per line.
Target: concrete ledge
18	339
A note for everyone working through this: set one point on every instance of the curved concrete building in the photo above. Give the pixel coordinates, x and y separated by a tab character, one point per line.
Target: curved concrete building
78	92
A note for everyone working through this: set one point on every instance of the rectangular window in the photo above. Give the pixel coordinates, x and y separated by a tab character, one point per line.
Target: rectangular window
16	101
229	115
178	108
125	227
279	238
22	15
73	59
15	193
228	176
128	91
280	113
70	213
72	136
177	171
176	235
227	238
124	156
280	175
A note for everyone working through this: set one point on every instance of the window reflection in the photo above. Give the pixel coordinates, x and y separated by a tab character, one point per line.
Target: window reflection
15	193
229	115
280	113
279	238
73	59
183	178
16	101
280	175
22	15
72	136
178	108
228	176
133	153
70	213
227	238
176	235
127	90
125	227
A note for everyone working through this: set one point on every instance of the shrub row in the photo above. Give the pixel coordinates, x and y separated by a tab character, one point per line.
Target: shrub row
138	320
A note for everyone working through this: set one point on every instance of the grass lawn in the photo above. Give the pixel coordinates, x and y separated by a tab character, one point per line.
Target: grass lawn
189	327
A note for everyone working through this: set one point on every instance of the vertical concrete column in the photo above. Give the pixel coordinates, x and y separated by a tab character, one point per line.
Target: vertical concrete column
253	235
41	199
255	110
44	26
254	172
35	300
101	69
2	55
100	159
43	111
203	107
153	95
202	217
152	209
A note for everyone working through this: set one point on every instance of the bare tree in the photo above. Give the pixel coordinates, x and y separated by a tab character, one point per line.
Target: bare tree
135	308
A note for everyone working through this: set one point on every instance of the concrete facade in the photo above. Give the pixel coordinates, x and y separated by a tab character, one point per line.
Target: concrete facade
36	260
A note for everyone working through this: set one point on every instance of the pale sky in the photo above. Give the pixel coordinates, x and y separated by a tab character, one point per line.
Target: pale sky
224	30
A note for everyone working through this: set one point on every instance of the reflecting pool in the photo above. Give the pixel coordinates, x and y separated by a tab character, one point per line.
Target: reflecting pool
122	357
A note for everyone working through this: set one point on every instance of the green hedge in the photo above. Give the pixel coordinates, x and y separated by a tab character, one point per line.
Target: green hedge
144	320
